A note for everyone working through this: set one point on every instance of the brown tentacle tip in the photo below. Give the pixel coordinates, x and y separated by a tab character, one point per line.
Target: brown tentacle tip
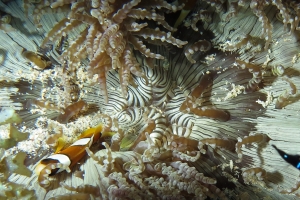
211	112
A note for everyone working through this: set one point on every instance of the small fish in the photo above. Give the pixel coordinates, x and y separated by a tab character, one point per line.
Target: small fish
292	159
63	159
71	155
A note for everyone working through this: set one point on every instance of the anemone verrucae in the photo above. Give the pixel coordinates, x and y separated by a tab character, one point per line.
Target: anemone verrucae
195	110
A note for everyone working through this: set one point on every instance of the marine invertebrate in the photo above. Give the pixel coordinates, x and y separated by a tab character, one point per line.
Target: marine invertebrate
282	100
255	176
258	138
160	150
201	45
113	25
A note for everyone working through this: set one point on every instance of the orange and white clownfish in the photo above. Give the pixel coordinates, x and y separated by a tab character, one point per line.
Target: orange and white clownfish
69	156
292	159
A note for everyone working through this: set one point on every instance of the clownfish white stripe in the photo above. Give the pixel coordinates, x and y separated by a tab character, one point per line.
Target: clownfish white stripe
83	142
45	182
61	158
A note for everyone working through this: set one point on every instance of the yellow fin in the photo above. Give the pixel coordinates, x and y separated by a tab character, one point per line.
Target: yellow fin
60	143
98	128
108	134
89	132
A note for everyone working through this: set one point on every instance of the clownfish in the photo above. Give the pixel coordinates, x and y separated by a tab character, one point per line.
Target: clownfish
292	159
68	157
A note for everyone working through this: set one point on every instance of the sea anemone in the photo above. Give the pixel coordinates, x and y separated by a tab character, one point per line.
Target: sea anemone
193	111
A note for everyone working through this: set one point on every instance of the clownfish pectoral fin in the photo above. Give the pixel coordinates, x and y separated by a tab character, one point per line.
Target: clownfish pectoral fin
108	134
99	128
92	131
292	159
60	144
